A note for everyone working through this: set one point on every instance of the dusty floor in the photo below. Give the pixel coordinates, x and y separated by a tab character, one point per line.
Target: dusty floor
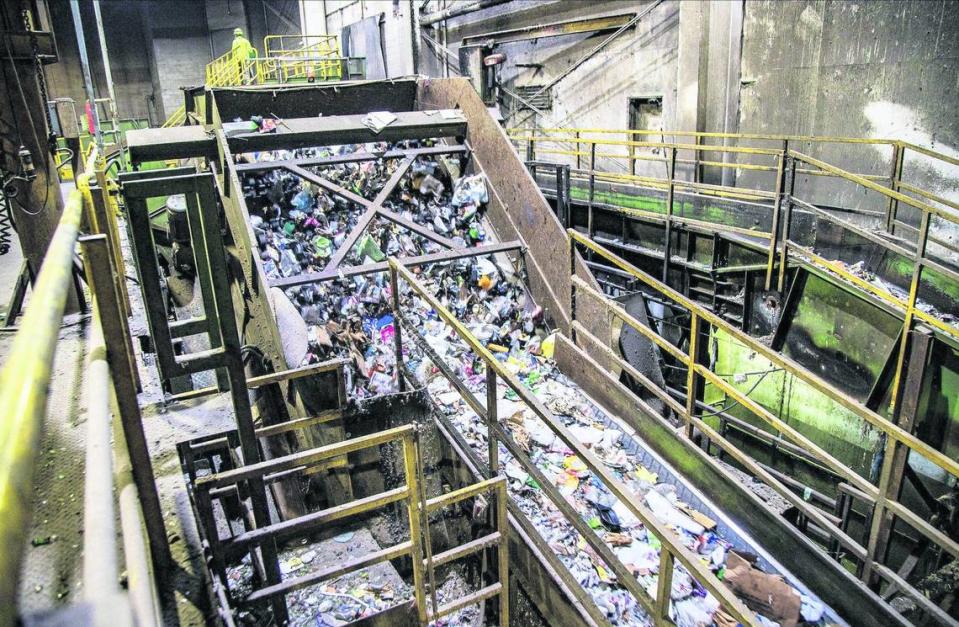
53	558
51	577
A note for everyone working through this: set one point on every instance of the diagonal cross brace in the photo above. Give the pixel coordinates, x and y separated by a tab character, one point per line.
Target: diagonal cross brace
374	209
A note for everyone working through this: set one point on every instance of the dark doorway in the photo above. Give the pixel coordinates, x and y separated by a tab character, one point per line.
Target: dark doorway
645	113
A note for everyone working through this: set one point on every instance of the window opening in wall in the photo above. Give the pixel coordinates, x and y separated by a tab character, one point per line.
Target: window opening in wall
645	113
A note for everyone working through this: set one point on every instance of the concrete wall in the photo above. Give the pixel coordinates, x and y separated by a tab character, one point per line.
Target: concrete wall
181	48
158	46
129	58
861	69
395	28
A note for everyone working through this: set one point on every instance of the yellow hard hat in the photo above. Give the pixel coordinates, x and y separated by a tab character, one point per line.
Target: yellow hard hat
238	31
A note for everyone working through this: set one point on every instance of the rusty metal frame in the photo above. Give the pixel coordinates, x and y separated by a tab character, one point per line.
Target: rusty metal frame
781	196
658	607
374	209
229	483
353	157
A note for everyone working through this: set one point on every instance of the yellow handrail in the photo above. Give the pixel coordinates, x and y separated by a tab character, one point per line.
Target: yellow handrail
672	548
315	56
24	388
894	432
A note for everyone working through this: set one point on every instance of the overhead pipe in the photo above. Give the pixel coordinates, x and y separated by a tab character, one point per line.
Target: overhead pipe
87	78
114	112
457	10
415	33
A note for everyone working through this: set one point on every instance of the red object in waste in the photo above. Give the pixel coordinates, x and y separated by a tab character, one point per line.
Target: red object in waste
89	112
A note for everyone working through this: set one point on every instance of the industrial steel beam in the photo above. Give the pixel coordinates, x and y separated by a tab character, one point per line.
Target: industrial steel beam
350	129
552	29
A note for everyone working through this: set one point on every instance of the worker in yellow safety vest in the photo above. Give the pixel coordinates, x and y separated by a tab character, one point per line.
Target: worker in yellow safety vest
244	53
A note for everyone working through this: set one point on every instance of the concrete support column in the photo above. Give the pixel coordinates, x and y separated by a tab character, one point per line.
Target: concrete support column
691	72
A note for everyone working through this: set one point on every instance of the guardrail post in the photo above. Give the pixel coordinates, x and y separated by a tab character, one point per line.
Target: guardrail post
670	191
98	261
691	372
664	586
578	156
492	417
888	484
787	223
572	285
777	206
561	208
416	537
895	177
502	525
425	518
397	330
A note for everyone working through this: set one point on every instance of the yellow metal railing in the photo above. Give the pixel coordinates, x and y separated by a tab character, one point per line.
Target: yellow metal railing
297	57
884	500
672	553
24	389
783	163
411	493
177	118
24	386
301	45
285	58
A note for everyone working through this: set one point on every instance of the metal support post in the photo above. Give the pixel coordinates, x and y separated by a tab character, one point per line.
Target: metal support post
425	518
691	372
87	78
664	586
98	261
787	223
895	177
572	289
881	519
107	221
919	351
492	418
114	115
579	161
416	536
502	526
562	195
777	205
397	331
667	247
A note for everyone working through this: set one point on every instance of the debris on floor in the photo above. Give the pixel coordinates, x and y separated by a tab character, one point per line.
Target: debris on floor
334	602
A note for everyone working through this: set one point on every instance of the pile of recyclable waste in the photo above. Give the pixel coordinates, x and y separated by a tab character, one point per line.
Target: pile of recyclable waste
352	317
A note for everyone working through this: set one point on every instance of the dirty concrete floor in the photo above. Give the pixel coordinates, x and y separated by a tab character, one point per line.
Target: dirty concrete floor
51	577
